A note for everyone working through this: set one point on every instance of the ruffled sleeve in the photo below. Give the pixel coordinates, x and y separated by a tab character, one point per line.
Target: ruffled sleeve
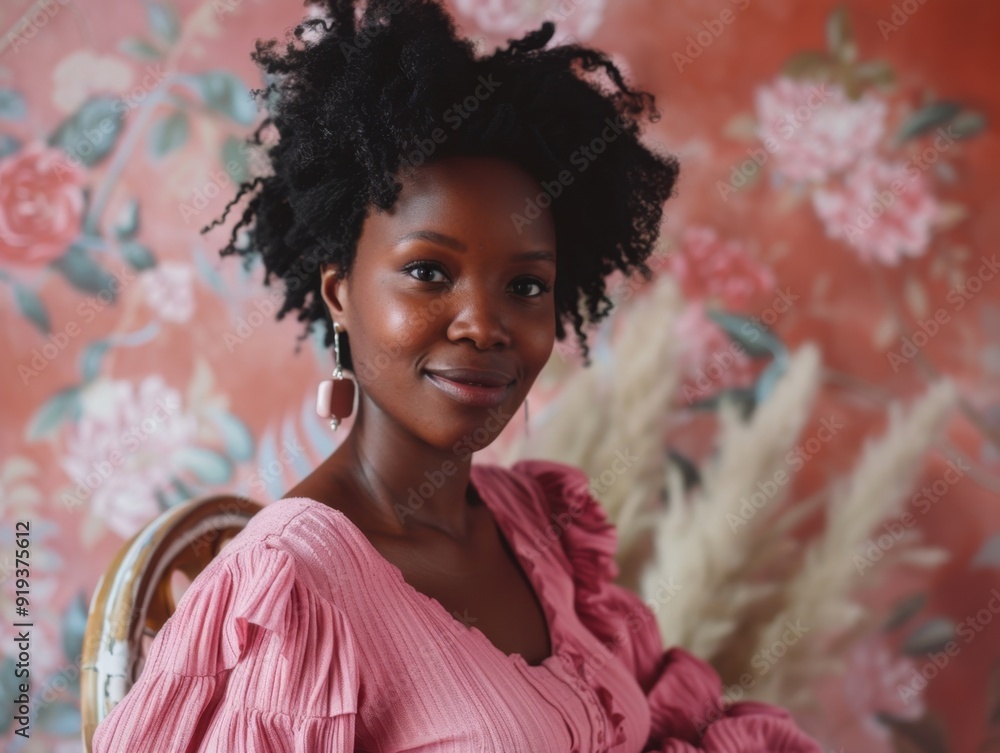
688	712
251	660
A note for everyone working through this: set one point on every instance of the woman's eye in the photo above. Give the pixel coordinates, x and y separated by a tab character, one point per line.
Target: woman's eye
425	266
542	287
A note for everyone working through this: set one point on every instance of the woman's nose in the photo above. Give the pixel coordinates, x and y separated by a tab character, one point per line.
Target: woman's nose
480	318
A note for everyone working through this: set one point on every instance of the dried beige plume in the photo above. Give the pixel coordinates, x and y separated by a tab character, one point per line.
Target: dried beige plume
819	595
709	540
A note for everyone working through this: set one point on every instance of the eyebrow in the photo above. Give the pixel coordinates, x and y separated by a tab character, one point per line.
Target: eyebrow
453	243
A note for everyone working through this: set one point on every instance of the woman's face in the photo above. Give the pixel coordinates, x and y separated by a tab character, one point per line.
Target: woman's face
448	281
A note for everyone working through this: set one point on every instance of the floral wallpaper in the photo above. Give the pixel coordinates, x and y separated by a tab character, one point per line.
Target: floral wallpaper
838	186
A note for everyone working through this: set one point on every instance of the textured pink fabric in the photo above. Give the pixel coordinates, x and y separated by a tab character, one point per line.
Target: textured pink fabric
300	637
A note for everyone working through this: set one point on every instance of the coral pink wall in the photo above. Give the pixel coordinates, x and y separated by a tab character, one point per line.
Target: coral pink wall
139	370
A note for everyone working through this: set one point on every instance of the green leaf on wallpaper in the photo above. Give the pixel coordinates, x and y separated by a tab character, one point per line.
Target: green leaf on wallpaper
59	718
140	49
967	123
208	273
931	636
226	93
74	623
754	337
745	399
904	611
8	144
810	64
8	691
127	222
83	273
236	437
839	36
63	405
90	359
208	466
31	307
138	256
168	134
927	118
12	105
90	133
164	22
769	377
234	159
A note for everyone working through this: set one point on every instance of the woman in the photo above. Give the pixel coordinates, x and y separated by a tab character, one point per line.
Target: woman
401	598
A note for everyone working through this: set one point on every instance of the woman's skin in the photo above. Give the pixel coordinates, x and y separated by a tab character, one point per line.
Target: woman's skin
480	308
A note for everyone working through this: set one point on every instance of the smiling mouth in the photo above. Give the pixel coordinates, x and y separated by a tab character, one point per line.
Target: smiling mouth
475	395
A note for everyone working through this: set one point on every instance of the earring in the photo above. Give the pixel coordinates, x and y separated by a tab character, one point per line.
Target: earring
527	430
335	397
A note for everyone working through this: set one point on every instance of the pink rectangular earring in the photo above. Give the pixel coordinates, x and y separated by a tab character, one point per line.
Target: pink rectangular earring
335	397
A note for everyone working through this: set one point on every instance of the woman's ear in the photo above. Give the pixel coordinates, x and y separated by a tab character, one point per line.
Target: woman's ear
334	288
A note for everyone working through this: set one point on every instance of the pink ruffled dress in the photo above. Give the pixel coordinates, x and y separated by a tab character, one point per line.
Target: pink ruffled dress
300	637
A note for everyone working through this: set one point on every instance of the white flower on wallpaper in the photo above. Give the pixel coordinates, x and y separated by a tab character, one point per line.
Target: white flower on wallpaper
168	289
83	73
578	19
812	130
120	450
884	210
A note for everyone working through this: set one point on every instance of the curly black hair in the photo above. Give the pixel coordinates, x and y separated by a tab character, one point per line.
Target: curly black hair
386	86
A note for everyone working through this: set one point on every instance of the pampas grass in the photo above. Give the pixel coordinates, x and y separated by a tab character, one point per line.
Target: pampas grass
743	575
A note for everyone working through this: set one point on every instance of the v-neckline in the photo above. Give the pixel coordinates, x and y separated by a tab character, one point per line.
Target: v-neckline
511	541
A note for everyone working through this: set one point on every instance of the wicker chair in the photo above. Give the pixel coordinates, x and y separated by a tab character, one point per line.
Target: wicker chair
137	594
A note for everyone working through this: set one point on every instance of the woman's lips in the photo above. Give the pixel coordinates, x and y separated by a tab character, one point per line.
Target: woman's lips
470	394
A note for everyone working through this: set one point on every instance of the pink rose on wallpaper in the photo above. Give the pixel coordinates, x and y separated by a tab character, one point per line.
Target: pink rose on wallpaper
168	290
121	448
41	204
811	129
573	18
883	210
706	267
710	360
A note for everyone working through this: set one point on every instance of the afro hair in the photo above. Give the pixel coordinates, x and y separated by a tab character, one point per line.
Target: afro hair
382	86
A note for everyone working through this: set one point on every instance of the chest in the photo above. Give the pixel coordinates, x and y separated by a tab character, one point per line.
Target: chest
485	588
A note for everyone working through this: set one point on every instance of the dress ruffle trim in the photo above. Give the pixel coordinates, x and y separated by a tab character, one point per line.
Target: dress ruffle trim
687	709
590	542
